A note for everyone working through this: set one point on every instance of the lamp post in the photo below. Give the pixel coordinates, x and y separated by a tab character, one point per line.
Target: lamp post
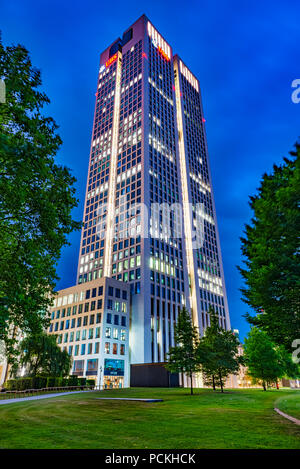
100	377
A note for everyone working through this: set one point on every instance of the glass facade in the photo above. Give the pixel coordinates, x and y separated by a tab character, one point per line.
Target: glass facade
148	152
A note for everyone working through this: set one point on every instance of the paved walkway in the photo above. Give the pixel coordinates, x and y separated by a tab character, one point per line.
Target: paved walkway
128	399
57	394
34	398
286	416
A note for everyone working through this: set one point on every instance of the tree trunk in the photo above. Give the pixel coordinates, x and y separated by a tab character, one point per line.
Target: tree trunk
191	377
220	378
6	372
264	385
214	384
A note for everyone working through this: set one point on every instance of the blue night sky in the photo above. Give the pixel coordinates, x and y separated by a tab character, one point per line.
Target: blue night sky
245	54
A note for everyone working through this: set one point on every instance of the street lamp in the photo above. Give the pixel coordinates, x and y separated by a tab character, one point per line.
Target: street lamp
100	377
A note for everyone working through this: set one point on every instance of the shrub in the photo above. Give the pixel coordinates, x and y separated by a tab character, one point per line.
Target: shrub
58	381
73	381
81	381
64	382
51	382
39	382
10	384
24	383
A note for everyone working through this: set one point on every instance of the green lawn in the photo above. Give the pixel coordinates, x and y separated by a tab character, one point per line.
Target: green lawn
289	404
236	419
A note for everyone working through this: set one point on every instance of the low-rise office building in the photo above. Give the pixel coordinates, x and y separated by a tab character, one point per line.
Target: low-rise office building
91	322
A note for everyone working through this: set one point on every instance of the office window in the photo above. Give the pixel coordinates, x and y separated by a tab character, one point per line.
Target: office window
107	347
116	320
115	349
98	318
107	332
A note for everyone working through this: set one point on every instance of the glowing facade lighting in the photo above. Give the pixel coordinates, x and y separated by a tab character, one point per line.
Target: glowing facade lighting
113	166
189	76
159	42
186	200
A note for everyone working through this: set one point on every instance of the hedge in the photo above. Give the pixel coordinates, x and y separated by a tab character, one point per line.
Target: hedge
38	382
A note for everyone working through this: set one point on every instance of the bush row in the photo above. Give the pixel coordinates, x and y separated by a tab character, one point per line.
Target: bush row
38	382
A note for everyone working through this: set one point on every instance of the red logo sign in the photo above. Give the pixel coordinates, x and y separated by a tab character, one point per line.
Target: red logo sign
111	60
162	52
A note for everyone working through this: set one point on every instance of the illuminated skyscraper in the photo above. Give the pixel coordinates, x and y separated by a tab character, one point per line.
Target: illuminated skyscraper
148	155
149	147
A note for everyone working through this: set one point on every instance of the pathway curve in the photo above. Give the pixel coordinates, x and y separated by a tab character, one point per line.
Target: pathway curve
286	416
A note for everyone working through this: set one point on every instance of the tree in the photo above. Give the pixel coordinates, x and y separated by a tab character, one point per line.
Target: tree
264	362
36	200
271	250
182	358
217	353
41	355
206	352
291	369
